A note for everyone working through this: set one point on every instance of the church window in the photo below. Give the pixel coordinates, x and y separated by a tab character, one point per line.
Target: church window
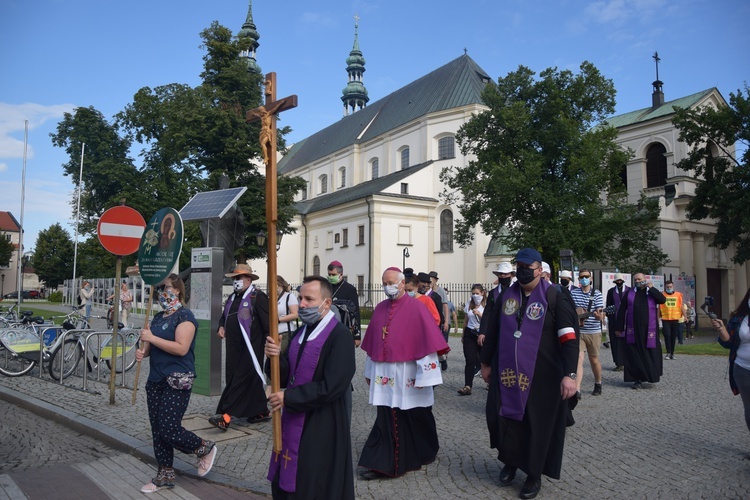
323	179
404	158
345	237
404	188
342	176
446	230
375	166
447	147
360	235
656	165
316	266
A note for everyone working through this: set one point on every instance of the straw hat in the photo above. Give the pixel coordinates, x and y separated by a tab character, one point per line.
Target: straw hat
242	270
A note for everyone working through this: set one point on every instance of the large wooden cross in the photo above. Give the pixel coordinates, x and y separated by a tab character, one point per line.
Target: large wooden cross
267	116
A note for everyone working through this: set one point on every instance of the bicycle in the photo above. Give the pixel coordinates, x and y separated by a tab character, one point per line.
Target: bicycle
19	344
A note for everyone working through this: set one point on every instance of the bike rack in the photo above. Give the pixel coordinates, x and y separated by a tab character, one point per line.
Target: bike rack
62	338
98	335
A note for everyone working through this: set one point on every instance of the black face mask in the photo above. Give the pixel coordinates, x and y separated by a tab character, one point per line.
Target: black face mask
564	281
525	275
504	282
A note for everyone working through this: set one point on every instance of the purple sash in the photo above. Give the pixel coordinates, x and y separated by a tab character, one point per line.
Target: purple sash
293	422
244	312
517	354
630	331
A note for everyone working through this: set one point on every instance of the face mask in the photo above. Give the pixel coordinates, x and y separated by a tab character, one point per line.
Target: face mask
334	280
238	285
88	287
423	289
565	282
169	301
670	291
525	275
619	283
309	315
585	281
640	285
477	299
504	282
390	291
412	294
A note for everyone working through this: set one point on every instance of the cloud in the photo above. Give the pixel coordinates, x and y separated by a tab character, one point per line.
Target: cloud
318	20
3	167
12	117
621	11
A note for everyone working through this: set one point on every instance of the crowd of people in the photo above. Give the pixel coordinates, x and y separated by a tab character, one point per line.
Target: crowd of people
527	338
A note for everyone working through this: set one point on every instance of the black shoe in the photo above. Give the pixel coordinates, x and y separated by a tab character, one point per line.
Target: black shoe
578	395
637	385
619	368
605	345
530	488
597	390
507	475
369	475
444	364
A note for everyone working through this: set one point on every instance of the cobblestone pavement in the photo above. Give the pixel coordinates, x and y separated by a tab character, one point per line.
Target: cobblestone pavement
684	437
40	458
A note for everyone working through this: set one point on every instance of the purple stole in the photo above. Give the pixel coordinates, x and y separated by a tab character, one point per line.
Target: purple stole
244	313
294	422
630	331
517	353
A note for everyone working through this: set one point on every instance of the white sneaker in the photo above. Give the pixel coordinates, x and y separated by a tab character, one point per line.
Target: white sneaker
207	461
666	356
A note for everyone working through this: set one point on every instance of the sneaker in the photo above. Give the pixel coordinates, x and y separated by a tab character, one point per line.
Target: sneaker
164	479
220	421
207	459
597	390
666	356
671	356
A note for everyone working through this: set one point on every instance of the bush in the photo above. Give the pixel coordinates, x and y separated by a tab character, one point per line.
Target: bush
56	297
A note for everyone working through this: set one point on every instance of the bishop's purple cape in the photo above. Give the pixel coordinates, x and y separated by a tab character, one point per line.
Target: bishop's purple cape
412	332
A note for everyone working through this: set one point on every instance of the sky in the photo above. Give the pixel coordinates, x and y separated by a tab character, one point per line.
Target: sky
61	54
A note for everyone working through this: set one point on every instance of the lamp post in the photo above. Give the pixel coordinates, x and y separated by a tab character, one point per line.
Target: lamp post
24	263
2	284
261	237
406	255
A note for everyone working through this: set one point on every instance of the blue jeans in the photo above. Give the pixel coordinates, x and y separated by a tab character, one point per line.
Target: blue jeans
742	379
88	311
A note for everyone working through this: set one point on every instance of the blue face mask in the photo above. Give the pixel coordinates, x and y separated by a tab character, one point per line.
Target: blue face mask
585	281
412	294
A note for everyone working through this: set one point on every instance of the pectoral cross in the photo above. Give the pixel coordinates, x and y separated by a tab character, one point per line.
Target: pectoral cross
385	332
267	116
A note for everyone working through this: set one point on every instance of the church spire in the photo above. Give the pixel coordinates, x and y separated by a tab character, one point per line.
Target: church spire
355	94
657	97
249	33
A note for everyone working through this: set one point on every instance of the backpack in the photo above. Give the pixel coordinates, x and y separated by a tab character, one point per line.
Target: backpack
79	299
346	317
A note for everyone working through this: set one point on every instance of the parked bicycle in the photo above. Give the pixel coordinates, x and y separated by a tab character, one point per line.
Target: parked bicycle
19	343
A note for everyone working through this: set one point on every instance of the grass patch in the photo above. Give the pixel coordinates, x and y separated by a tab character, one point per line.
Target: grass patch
705	348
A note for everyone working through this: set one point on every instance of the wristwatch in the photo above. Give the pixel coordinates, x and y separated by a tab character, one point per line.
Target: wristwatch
572	375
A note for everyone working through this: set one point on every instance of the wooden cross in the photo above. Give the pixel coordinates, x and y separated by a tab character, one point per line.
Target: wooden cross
267	116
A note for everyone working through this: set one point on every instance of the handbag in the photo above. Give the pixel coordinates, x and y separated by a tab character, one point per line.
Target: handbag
181	381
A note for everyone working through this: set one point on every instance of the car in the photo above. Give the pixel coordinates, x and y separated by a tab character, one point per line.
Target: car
14	295
34	294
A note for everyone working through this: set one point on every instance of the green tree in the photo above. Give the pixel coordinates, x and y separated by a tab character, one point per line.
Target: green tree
95	262
53	256
6	251
724	193
546	172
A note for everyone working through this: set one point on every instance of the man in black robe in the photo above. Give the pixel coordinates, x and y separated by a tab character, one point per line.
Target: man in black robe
315	461
637	319
615	297
244	327
345	294
527	411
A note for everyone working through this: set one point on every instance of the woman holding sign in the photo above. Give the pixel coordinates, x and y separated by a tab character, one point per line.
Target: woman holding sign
170	345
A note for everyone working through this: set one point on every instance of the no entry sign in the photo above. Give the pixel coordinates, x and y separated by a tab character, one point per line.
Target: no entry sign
120	230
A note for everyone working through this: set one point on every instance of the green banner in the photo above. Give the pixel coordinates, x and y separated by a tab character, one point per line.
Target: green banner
161	245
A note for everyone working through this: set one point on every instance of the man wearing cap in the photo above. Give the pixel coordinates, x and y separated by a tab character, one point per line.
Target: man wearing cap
637	319
244	327
402	343
504	274
345	294
589	302
444	312
614	298
565	279
530	366
546	272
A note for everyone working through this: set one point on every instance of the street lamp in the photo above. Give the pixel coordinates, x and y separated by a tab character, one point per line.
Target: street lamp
261	237
566	260
406	254
2	284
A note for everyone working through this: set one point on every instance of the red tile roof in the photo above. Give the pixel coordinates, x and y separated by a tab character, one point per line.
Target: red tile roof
9	223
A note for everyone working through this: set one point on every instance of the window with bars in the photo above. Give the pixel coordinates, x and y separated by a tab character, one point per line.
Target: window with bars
446	148
323	180
342	176
360	235
345	237
446	230
316	266
374	165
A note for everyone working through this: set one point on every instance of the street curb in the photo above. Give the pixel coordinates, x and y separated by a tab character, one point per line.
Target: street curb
119	440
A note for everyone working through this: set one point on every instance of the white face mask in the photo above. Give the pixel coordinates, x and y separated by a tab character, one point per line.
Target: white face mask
238	285
477	299
391	291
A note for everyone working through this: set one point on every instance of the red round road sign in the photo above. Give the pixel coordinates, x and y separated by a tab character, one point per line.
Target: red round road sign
120	230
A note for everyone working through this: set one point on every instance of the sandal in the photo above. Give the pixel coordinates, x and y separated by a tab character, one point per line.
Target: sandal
220	421
259	418
466	391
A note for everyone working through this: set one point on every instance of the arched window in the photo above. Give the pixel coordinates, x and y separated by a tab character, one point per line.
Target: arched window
404	158
375	167
342	177
446	230
323	180
656	165
304	191
446	148
316	266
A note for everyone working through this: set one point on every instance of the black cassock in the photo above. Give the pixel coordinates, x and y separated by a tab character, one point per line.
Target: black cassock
534	444
325	469
244	395
641	363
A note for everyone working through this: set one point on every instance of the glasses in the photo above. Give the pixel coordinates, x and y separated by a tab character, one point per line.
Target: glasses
581	277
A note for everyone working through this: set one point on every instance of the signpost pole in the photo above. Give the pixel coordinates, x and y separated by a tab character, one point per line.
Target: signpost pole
115	326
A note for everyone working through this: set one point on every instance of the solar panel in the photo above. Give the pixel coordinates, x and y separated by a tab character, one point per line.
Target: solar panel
211	204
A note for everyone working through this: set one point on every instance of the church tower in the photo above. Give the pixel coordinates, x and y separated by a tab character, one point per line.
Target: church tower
249	33
355	94
657	96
